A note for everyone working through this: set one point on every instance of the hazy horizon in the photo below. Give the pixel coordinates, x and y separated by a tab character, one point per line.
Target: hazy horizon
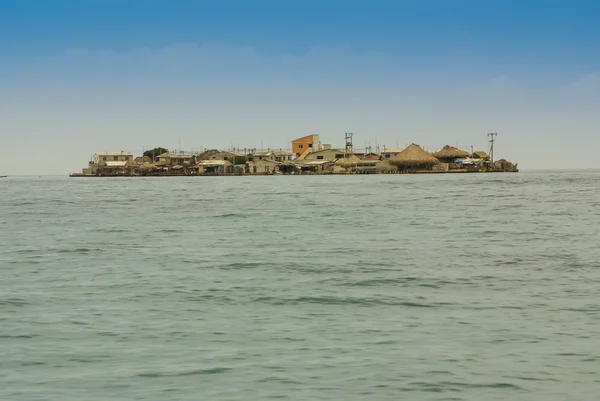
109	76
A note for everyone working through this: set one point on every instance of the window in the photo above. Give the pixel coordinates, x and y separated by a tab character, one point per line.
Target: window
115	158
310	145
387	155
104	158
339	156
300	146
319	157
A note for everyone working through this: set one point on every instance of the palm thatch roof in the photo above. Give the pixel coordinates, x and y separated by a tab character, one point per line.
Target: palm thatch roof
413	156
371	156
481	154
450	152
148	166
349	161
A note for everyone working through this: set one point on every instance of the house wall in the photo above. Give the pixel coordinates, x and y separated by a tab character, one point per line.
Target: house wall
260	167
329	154
300	145
100	160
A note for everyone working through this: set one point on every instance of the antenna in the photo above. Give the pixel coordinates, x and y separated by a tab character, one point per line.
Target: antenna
492	136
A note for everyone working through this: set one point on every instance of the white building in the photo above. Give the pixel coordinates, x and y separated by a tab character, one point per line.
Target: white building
112	159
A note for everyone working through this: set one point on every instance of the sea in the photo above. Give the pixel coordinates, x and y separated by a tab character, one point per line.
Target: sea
360	287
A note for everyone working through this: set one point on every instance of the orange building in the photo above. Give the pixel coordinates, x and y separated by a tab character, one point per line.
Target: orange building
301	145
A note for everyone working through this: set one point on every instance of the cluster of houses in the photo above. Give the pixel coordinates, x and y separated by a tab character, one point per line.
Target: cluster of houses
308	156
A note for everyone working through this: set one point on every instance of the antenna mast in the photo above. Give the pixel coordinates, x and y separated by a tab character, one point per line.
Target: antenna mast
492	136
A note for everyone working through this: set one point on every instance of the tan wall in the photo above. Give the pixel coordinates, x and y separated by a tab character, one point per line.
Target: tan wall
328	154
260	167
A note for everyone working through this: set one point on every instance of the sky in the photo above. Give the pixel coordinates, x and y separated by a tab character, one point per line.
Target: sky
79	77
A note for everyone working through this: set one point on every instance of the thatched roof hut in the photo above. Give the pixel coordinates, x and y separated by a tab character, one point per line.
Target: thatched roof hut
450	153
480	154
413	157
348	162
371	156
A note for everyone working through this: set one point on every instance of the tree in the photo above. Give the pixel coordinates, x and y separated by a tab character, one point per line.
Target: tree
153	153
237	160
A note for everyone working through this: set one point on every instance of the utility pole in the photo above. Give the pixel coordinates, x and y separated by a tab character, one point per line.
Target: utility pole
492	136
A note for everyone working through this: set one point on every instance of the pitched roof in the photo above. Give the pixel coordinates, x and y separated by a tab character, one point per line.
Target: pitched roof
305	137
114	154
413	156
349	161
450	152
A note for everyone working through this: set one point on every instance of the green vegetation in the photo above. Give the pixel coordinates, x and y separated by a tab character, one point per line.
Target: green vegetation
237	160
153	153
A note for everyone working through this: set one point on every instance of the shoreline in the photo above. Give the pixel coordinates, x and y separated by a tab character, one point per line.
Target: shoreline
79	175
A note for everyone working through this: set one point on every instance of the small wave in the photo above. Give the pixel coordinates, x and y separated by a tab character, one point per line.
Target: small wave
79	250
212	371
14	302
229	215
326	300
19	336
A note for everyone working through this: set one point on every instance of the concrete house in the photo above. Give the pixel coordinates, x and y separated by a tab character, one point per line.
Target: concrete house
173	159
215	167
215	154
327	154
112	159
305	145
388	153
266	162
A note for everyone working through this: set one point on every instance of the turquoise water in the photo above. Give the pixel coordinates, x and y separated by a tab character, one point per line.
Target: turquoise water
439	287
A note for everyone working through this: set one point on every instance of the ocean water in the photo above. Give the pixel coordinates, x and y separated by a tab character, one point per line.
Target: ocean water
416	287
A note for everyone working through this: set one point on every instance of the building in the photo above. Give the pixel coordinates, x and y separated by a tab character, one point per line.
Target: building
315	166
266	162
306	144
326	154
279	156
173	159
331	155
112	159
413	159
449	154
215	167
388	153
215	154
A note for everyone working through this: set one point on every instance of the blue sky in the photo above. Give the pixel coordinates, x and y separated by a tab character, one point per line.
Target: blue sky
84	76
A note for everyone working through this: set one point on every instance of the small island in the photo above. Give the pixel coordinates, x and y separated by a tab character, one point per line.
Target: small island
308	156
